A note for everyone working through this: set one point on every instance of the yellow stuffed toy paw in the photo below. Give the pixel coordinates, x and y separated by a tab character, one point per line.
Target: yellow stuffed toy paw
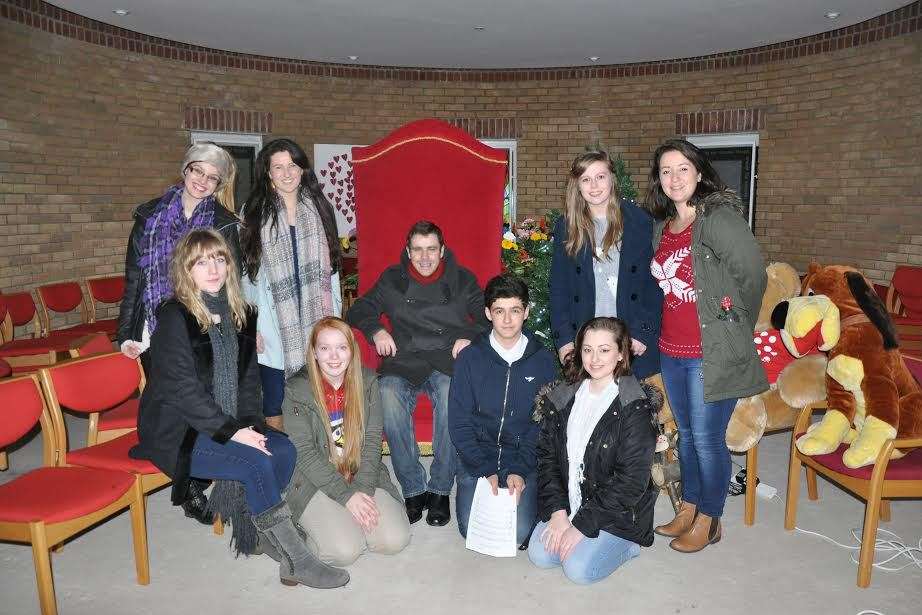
867	445
825	436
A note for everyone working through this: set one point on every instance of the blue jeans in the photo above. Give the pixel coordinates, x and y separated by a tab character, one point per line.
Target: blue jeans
398	401
273	381
591	560
703	454
264	477
526	513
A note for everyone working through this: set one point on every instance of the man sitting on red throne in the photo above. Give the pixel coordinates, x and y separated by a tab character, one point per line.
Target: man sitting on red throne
435	308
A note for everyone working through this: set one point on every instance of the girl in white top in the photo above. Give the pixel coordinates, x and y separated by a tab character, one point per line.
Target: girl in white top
595	451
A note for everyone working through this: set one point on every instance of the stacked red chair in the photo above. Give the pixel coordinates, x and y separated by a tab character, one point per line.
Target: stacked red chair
51	504
96	385
29	354
106	290
427	170
66	297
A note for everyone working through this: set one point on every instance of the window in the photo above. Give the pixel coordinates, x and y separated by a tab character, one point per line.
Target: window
509	210
243	148
734	157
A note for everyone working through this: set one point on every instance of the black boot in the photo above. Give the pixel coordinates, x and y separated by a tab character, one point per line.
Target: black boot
196	503
439	511
416	505
298	564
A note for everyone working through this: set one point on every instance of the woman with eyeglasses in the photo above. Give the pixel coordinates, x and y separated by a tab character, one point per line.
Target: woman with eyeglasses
292	258
204	197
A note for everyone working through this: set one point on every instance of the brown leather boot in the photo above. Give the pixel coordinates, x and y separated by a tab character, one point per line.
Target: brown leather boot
703	532
680	523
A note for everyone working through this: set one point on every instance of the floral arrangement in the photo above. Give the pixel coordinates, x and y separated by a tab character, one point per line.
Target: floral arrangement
526	251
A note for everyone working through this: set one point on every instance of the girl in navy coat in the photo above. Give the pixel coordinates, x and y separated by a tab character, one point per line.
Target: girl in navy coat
601	263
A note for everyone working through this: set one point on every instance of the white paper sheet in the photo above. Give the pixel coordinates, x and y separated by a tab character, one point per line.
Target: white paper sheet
491	529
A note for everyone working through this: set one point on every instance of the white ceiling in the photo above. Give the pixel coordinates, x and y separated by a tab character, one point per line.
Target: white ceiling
518	34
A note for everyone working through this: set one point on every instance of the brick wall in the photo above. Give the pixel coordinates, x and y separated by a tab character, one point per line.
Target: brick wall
91	126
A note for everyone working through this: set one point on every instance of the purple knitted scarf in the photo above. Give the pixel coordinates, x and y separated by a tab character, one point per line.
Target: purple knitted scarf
162	230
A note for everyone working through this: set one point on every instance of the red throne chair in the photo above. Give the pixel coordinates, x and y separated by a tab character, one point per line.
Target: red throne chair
427	170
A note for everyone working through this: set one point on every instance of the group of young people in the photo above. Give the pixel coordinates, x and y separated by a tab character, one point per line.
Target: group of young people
255	382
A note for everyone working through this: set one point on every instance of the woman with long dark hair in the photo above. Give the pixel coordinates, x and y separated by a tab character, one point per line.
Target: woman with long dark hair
200	416
291	262
601	261
712	274
333	415
595	453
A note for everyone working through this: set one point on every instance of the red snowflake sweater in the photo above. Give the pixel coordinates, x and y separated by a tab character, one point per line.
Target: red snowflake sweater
673	268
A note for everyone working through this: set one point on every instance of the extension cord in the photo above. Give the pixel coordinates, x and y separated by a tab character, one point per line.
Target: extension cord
766	492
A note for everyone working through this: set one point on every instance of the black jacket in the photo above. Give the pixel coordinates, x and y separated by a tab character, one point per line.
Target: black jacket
131	314
178	403
618	491
426	319
490	405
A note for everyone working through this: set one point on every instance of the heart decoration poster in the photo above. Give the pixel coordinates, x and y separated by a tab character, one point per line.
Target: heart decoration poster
333	163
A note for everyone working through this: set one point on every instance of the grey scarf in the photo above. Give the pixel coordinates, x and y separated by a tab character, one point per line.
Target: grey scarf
223	336
228	497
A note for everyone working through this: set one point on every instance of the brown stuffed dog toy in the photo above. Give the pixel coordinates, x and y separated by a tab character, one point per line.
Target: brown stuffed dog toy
872	397
794	382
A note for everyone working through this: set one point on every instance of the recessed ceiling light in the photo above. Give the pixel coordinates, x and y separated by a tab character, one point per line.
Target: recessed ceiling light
121	12
832	15
480	28
353	58
593	58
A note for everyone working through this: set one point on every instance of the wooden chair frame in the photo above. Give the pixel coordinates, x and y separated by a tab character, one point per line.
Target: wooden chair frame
876	492
93	434
46	316
43	536
90	297
149	482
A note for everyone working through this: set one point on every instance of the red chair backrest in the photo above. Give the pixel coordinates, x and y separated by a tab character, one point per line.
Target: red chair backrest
107	290
907	281
21	307
98	343
96	383
429	170
22	404
61	296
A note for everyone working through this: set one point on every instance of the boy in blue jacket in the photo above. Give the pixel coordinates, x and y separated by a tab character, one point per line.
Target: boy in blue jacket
490	404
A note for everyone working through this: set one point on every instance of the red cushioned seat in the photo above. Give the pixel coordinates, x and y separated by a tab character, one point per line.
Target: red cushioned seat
106	289
124	416
5	369
102	326
47	506
58	494
112	455
905	468
28	347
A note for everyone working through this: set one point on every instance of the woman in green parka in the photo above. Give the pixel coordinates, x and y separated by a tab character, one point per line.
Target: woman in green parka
712	274
341	489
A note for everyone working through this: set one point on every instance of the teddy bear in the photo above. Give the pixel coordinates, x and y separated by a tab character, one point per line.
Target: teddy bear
794	382
870	393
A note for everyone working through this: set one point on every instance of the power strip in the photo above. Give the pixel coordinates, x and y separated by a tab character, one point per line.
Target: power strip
766	492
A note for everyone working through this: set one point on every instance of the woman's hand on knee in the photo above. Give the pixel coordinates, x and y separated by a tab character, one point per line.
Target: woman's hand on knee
364	510
250	437
554	531
571	537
